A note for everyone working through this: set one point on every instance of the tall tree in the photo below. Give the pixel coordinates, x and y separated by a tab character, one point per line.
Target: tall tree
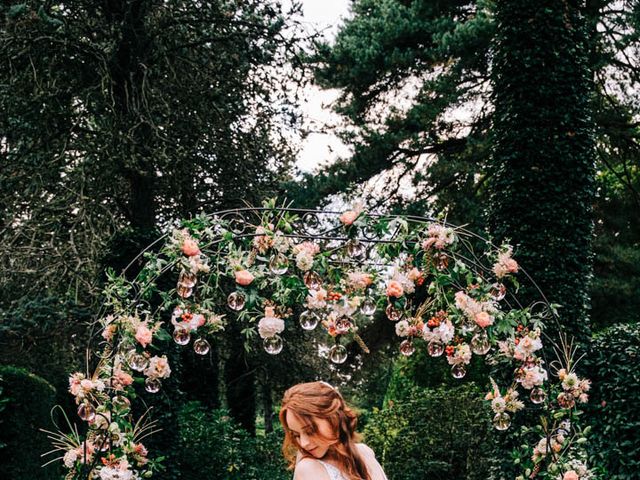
119	117
543	152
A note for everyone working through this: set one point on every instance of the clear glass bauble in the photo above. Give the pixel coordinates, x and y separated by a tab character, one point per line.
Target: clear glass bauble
236	301
309	320
152	385
480	343
273	345
537	395
201	346
181	336
458	371
86	412
184	292
137	361
498	291
393	313
355	249
312	280
501	421
120	403
368	307
338	354
278	264
435	348
407	348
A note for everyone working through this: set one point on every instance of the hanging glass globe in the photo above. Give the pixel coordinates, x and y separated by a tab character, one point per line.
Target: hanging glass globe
152	385
273	345
355	249
480	343
312	280
278	264
338	354
407	348
201	346
458	371
86	412
308	320
181	336
501	421
498	291
537	395
368	307
184	292
435	348
393	313
120	403
236	301
137	361
187	279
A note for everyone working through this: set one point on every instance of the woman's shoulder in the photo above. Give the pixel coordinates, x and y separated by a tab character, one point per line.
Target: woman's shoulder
308	468
365	449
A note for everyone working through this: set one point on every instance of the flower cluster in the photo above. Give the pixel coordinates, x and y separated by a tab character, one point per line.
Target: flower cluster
439	237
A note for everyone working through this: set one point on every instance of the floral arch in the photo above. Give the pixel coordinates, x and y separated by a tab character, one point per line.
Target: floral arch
278	268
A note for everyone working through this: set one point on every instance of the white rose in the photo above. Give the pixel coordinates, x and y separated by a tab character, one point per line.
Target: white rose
270	326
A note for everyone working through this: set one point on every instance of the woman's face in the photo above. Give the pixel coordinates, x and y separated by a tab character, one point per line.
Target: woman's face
315	443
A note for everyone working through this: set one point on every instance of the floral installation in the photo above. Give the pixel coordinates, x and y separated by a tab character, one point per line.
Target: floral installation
260	270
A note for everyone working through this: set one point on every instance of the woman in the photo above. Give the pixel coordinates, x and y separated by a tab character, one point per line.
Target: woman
320	439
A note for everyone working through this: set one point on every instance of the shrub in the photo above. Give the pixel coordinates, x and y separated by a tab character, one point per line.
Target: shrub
27	401
432	433
211	445
614	414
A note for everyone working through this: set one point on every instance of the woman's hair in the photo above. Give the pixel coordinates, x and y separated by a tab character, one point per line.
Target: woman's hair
319	400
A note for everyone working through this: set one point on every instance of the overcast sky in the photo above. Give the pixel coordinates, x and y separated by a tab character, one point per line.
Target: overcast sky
319	148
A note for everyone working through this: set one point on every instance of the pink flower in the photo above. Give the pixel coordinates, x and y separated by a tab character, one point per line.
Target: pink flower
348	217
144	335
190	247
511	265
483	319
121	379
570	475
394	289
108	332
359	280
244	277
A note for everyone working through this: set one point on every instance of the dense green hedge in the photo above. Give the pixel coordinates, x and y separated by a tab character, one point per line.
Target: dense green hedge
432	434
28	400
614	414
211	445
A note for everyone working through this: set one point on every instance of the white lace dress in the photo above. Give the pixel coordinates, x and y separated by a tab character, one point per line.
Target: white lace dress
375	470
334	473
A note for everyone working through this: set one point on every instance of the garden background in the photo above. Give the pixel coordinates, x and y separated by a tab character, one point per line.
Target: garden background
518	119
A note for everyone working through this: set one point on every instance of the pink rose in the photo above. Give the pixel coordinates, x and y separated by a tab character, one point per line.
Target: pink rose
348	217
144	335
394	289
570	475
511	265
483	319
190	247
244	277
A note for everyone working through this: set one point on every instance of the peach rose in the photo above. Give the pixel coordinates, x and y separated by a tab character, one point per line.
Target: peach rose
570	475
190	247
511	265
348	217
483	319
244	277
144	335
394	289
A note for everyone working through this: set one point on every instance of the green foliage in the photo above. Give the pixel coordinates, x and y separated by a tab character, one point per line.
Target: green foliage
543	151
432	434
26	401
613	367
212	445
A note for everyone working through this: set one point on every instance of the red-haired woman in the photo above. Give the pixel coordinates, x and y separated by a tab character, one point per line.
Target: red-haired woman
320	440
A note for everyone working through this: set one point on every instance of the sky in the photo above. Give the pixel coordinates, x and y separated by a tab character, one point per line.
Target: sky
318	147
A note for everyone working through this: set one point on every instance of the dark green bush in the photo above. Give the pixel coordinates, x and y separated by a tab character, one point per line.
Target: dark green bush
614	414
28	400
432	434
211	445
